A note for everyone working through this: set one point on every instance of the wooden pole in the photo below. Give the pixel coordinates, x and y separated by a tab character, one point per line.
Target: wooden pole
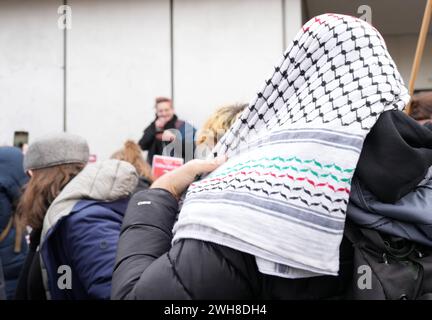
419	51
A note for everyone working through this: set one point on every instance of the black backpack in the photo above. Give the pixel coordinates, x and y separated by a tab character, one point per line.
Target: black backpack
387	267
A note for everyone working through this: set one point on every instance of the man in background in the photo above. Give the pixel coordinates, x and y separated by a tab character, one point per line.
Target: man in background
168	132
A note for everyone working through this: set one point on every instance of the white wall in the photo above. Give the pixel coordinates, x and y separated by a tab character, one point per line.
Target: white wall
31	60
223	52
293	19
118	60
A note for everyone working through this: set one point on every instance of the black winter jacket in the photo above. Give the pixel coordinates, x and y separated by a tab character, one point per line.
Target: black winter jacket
148	267
30	284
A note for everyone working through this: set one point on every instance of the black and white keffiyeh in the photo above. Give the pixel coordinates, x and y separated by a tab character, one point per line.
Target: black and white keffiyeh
283	193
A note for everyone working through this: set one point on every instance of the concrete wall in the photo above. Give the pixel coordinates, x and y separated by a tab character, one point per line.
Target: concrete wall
223	51
31	68
118	60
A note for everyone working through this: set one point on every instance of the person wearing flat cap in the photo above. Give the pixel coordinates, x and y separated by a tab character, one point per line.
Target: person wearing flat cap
75	212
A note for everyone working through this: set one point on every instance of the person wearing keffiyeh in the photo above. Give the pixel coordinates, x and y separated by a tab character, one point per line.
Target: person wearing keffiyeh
269	222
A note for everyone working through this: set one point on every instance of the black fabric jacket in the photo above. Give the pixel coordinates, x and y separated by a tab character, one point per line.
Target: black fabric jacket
395	157
30	284
147	267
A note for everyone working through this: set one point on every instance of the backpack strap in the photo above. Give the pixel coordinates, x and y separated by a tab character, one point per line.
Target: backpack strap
374	237
361	237
179	124
6	230
19	232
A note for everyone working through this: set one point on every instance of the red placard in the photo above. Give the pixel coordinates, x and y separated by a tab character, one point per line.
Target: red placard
164	164
92	158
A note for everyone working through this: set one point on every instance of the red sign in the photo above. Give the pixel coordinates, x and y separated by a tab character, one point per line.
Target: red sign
92	158
164	164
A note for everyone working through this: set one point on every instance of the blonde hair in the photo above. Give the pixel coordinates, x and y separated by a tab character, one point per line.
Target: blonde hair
131	152
218	123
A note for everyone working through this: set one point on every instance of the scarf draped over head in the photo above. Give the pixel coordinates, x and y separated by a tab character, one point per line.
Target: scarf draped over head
283	194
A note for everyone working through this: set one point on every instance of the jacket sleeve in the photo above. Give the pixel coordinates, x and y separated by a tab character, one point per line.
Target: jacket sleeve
91	242
147	267
148	137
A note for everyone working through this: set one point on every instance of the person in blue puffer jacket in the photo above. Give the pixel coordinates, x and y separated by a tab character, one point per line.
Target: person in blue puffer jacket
13	248
76	211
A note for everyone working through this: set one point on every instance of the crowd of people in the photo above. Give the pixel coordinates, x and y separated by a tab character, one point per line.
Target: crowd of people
320	174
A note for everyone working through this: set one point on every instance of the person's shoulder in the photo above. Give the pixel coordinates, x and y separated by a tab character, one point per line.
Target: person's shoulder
90	219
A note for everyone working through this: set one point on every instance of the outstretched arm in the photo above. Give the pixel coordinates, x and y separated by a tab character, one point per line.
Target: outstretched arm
147	267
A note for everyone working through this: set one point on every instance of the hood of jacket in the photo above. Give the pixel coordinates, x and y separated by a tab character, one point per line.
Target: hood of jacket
106	181
396	156
12	175
12	179
410	217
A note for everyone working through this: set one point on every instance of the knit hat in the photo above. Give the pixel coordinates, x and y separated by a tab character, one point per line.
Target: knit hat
56	149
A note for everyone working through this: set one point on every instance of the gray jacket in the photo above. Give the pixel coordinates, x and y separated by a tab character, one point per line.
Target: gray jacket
409	218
